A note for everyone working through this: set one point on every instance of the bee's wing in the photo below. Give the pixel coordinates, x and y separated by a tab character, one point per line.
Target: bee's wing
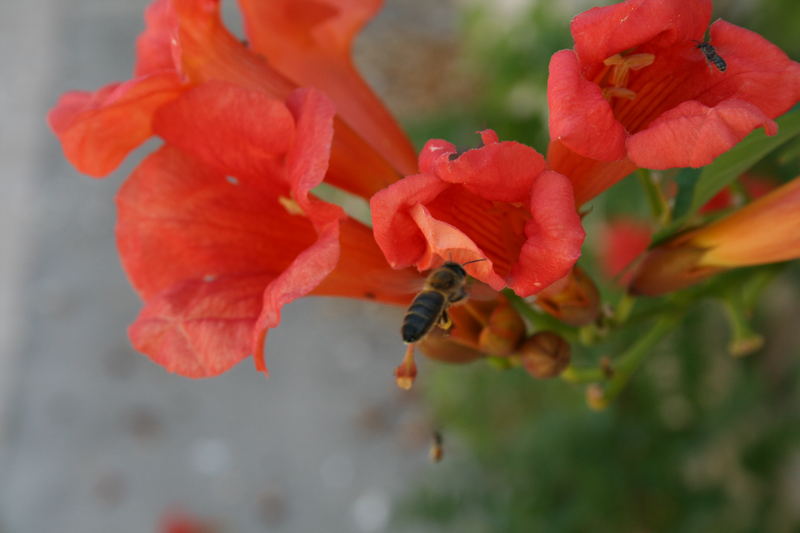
478	290
408	283
412	283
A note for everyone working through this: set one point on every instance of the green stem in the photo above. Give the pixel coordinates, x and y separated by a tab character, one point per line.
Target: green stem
624	308
658	203
540	321
744	340
574	374
630	361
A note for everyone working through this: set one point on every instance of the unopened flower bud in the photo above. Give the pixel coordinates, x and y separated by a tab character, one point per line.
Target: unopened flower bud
545	355
764	231
595	397
669	268
743	346
504	331
448	349
573	299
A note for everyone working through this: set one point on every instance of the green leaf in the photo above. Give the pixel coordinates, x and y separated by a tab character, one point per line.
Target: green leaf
695	190
730	165
790	152
687	180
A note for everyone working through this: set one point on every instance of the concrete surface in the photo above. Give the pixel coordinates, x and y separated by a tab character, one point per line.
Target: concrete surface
96	439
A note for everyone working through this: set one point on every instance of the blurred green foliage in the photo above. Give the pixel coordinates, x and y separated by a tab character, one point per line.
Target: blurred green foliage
699	441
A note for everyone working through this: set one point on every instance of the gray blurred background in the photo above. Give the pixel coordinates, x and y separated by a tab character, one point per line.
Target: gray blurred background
94	438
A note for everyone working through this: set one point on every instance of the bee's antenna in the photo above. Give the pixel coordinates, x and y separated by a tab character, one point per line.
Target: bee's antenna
473	261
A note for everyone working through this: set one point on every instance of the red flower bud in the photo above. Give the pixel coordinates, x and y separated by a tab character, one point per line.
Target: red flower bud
573	300
545	355
504	331
595	397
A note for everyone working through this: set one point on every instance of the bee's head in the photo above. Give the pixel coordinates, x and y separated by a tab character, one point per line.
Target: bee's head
456	268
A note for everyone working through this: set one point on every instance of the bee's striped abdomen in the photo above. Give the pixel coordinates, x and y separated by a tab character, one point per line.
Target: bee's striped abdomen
424	312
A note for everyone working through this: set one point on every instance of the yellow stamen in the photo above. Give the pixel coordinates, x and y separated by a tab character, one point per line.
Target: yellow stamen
619	68
291	206
618	92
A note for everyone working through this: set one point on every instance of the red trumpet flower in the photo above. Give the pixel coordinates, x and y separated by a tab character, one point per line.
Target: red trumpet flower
497	202
217	241
636	91
217	229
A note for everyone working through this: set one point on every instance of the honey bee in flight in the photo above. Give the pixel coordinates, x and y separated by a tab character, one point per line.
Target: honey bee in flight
712	56
444	286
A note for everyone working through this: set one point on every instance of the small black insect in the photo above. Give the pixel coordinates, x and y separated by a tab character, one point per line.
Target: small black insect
712	56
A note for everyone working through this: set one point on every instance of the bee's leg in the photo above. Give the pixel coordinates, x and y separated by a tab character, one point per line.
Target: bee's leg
444	322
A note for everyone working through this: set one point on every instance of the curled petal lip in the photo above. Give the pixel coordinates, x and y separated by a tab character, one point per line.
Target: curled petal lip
200	328
98	129
156	49
394	225
446	240
604	31
554	236
693	135
580	117
491	171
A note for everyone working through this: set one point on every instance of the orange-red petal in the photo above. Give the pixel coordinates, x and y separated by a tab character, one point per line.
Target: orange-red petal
200	249
310	42
580	117
200	328
604	31
589	177
490	171
765	231
758	71
553	236
156	46
693	135
237	131
98	129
